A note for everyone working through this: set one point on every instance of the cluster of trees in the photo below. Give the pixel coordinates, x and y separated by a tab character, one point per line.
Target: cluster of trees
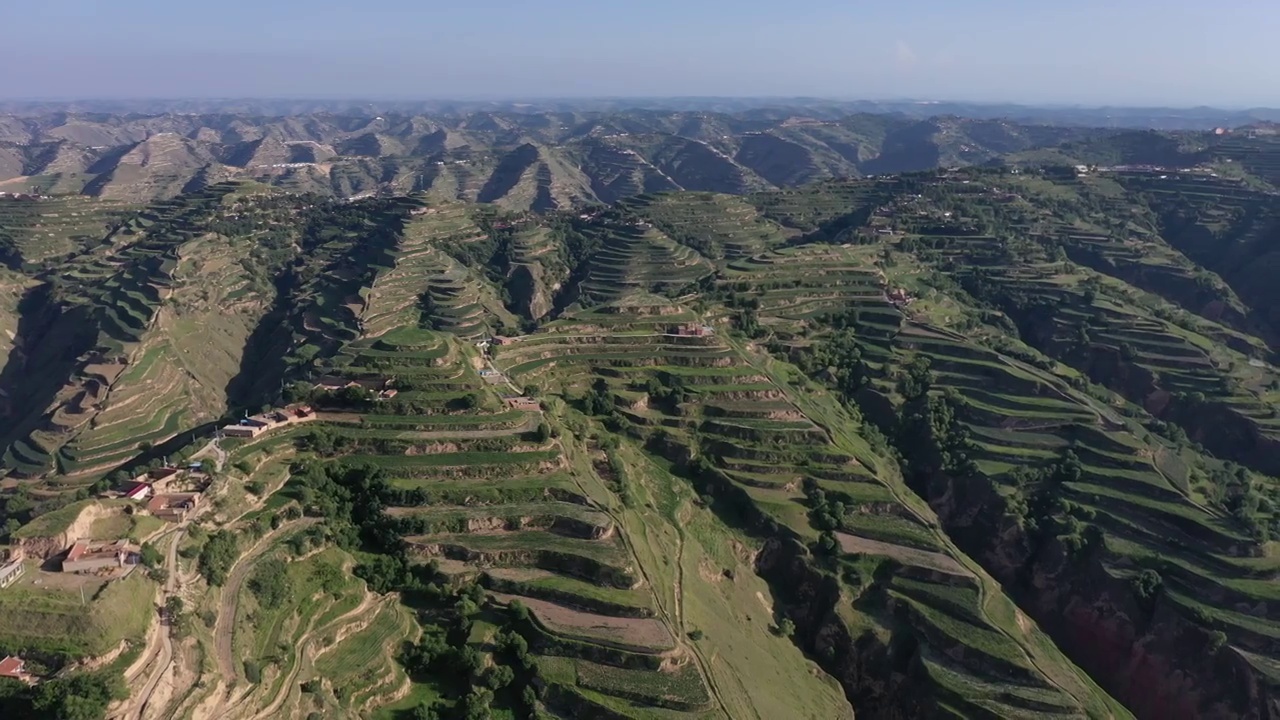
1231	488
1038	505
270	583
826	514
510	683
838	355
929	435
329	442
217	556
19	506
667	390
79	696
598	400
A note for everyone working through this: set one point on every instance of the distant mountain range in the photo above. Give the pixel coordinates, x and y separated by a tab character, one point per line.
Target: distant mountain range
539	157
1158	118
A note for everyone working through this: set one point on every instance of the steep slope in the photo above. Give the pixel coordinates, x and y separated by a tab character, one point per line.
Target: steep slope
131	344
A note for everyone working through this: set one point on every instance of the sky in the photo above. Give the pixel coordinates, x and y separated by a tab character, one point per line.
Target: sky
1094	52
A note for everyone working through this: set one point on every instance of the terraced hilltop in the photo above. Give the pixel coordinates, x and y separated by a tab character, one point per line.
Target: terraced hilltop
977	442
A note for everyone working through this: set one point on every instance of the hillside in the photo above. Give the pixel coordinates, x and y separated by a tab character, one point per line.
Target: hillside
520	160
995	441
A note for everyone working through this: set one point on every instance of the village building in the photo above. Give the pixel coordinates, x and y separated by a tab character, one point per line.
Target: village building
241	431
255	425
92	557
899	297
173	507
164	473
330	383
523	403
15	668
138	492
693	330
10	571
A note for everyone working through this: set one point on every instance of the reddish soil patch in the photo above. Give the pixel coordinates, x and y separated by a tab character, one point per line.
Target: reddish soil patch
640	633
905	555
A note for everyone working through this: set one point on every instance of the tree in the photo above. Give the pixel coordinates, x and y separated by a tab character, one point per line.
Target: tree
270	583
476	704
499	676
543	432
1216	641
82	696
1147	586
425	711
151	557
174	606
519	611
217	556
786	628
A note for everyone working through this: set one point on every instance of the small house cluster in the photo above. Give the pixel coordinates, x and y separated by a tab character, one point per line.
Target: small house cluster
485	343
255	425
380	387
155	489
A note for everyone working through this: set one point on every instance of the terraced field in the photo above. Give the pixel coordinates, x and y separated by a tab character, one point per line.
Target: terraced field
428	285
486	495
33	232
1129	487
635	257
771	460
717	226
102	340
967	443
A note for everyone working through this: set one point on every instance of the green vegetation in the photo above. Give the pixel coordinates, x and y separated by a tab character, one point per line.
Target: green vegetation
870	442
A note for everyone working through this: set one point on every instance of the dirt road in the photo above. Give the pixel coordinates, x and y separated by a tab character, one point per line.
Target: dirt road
229	605
164	659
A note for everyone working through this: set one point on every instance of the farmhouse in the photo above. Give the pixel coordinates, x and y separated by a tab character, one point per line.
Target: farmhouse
693	330
138	492
173	507
330	383
15	668
10	571
241	431
255	425
92	557
164	473
523	403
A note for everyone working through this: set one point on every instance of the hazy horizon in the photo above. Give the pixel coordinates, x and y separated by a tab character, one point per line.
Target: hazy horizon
1089	54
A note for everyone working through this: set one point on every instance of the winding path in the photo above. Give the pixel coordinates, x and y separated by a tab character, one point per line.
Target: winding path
165	659
229	603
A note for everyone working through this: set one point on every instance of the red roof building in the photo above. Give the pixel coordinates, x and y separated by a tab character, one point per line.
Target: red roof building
138	492
13	667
